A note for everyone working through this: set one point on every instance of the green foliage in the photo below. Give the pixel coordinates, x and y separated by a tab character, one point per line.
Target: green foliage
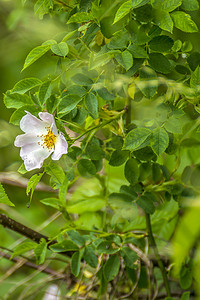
33	181
4	198
137	139
111	267
40	252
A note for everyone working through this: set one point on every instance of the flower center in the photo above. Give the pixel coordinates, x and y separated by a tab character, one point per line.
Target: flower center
48	140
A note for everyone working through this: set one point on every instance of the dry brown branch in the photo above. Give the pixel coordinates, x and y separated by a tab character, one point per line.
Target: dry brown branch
28	232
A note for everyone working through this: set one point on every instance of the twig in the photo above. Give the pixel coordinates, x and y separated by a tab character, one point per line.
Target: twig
136	283
141	255
29	264
157	255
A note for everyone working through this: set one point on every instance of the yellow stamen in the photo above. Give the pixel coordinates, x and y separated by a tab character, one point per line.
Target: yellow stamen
48	140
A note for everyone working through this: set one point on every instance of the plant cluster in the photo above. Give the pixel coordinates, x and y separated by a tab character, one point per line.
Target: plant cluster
124	92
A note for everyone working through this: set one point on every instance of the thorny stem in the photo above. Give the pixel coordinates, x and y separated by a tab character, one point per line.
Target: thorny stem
157	255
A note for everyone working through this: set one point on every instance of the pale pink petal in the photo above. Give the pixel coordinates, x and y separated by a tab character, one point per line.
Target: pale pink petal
26	149
60	147
34	160
31	124
24	139
48	118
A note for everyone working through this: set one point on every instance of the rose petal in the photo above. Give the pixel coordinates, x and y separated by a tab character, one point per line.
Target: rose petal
28	148
35	159
60	147
48	118
31	124
24	139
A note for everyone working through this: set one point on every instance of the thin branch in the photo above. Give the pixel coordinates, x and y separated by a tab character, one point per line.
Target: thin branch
29	264
28	232
141	254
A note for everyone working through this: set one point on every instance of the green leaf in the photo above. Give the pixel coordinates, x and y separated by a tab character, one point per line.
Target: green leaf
40	252
185	278
4	198
44	92
16	100
63	246
76	263
139	3
195	78
49	42
148	83
127	59
76	237
194	60
90	256
146	204
185	296
173	125
60	49
33	181
161	43
53	202
167	5
131	171
52	103
105	94
136	138
129	257
82	79
183	21
111	267
118	41
35	54
68	103
25	85
190	5
56	173
118	157
20	112
23	247
86	168
160	140
107	247
75	90
91	104
123	10
177	46
159	63
94	150
164	20
138	51
80	17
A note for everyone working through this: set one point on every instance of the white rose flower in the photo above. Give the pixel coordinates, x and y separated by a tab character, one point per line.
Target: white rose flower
41	138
